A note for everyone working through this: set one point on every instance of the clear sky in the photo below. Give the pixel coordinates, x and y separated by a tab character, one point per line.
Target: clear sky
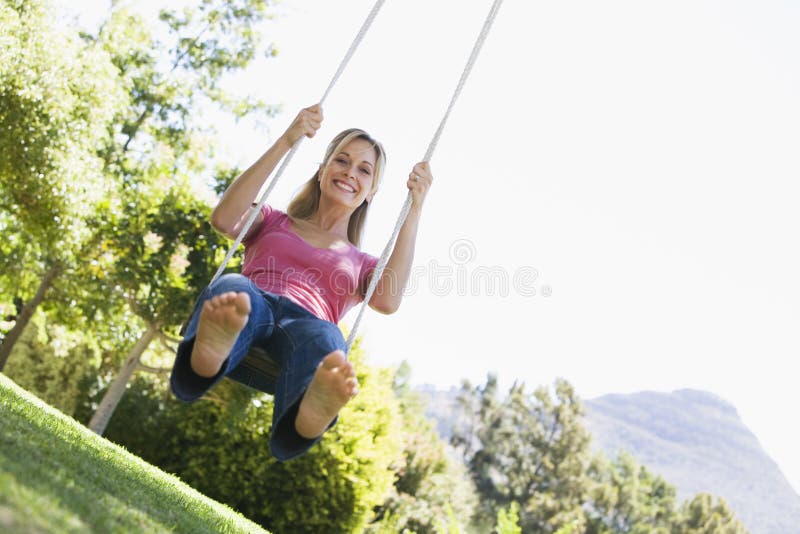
629	169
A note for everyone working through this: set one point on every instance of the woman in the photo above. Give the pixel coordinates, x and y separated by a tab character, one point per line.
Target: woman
302	272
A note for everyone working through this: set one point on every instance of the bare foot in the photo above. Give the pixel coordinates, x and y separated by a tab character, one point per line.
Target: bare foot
333	385
221	320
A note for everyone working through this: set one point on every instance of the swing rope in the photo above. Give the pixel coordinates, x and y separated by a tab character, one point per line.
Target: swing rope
256	207
428	154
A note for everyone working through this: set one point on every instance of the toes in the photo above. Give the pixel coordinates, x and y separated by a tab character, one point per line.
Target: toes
337	365
242	302
349	370
218	300
333	360
352	386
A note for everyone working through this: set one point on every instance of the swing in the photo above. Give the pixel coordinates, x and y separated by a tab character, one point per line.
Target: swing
257	359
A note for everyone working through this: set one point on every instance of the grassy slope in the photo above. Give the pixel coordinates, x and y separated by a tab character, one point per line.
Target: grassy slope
57	476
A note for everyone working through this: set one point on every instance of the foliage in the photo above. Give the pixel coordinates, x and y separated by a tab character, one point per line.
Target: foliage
533	450
702	515
164	252
158	249
55	364
528	449
57	97
508	520
569	528
167	125
625	497
432	491
93	125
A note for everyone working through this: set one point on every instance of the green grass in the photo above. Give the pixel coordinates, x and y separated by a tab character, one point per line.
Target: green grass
58	476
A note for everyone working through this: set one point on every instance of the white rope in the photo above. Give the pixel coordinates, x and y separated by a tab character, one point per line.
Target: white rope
428	154
256	207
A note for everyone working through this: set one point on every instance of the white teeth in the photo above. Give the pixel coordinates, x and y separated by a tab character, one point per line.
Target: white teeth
345	187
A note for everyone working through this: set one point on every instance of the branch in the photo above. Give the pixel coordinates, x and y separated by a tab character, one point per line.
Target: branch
154	370
131	302
149	109
163	338
188	48
169	338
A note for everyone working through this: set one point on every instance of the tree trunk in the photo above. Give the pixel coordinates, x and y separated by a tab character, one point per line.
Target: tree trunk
114	394
25	315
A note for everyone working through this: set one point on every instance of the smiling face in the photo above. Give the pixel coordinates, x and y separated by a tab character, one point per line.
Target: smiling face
349	175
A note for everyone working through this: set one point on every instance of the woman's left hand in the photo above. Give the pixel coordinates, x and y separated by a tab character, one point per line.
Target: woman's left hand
419	181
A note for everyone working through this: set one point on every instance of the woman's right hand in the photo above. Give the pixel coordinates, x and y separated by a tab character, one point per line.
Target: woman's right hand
306	123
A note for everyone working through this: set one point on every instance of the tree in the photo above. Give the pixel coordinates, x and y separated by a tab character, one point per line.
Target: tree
702	515
57	96
529	449
625	497
66	101
533	450
165	130
57	365
156	144
432	488
165	254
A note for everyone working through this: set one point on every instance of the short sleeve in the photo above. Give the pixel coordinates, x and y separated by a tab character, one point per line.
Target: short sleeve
270	217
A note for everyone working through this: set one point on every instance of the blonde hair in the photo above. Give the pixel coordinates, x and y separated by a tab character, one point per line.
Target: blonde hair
306	202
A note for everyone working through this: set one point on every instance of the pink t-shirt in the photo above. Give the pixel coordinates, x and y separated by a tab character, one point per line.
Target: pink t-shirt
326	282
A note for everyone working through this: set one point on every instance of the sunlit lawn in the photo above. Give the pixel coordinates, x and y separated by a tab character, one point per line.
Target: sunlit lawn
57	476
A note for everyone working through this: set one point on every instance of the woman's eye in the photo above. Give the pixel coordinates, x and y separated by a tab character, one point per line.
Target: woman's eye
365	171
341	161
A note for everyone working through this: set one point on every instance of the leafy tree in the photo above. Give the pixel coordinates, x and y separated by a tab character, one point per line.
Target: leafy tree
60	114
432	490
57	365
533	450
165	253
56	97
529	449
161	249
702	515
166	128
625	497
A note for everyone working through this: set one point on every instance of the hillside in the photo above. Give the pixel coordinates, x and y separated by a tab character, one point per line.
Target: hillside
697	442
57	476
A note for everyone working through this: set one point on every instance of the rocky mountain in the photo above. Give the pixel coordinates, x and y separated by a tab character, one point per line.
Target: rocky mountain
693	439
696	441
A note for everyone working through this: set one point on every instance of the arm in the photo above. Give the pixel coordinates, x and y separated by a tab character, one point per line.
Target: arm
389	291
231	211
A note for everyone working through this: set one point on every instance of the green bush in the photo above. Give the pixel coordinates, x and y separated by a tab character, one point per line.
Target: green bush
433	492
220	446
55	364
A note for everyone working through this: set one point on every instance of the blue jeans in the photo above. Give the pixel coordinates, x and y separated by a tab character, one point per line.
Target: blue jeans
296	341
